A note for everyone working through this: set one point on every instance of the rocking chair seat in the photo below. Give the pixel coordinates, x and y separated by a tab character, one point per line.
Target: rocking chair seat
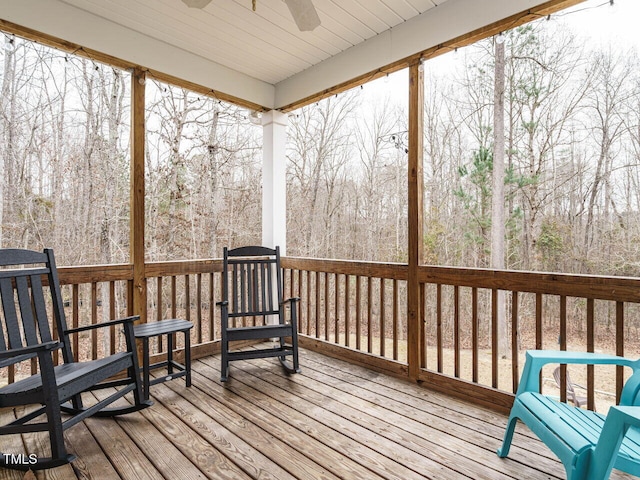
79	375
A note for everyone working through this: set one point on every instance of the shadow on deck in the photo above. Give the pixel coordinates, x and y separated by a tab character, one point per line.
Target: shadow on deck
334	420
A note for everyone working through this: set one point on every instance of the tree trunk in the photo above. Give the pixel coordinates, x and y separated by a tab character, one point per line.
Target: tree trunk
497	202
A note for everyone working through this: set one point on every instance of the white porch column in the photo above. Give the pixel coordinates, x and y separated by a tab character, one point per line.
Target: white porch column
274	180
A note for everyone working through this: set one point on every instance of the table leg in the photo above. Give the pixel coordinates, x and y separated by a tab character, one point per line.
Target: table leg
187	356
145	367
170	354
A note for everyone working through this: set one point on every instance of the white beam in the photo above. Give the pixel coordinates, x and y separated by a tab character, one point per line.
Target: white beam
59	19
274	180
445	22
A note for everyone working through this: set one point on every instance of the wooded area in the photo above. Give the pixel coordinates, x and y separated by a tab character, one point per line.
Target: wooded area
572	146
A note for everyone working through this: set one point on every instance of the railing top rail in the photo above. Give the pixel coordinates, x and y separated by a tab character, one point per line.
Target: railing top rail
95	273
602	287
394	271
183	267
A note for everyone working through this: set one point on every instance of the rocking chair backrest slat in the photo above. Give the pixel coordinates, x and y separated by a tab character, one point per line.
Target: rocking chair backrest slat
269	278
26	310
234	286
3	343
24	299
14	337
253	273
40	309
254	291
253	288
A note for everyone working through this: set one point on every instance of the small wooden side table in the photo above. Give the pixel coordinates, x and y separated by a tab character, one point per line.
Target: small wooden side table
164	327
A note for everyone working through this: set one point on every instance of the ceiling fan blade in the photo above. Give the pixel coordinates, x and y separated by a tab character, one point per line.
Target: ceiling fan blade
304	14
196	3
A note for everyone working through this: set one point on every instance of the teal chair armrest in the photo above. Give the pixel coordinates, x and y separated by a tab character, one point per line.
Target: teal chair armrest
618	421
536	359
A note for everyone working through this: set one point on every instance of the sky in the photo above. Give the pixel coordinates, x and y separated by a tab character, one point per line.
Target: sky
594	20
600	21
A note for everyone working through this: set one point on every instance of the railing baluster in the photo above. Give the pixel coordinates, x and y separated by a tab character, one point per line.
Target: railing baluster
187	299
494	338
75	319
174	297
619	348
308	303
199	307
326	306
336	304
474	334
383	333
369	315
515	373
591	403
439	327
159	303
347	310
94	320
212	306
317	305
423	324
358	318
456	331
539	326
112	316
395	319
563	346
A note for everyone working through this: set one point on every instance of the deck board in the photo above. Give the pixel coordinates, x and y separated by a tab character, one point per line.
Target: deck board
411	433
333	420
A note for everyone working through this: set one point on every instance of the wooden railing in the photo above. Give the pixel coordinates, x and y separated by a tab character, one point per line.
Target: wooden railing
345	305
357	305
181	289
358	311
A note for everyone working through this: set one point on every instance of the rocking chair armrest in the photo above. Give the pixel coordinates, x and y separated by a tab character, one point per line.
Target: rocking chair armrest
103	324
41	347
223	303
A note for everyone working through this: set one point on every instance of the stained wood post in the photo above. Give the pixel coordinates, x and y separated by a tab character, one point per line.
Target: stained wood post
415	249
136	215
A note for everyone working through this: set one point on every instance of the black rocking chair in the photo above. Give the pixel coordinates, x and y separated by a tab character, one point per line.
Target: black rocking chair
25	302
252	294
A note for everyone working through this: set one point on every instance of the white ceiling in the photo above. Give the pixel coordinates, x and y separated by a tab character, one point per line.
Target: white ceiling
259	56
265	44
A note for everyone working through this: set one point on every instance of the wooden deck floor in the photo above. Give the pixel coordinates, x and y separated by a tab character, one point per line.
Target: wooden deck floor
334	420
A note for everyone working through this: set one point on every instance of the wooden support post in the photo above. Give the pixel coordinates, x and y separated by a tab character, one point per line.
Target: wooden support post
416	95
137	213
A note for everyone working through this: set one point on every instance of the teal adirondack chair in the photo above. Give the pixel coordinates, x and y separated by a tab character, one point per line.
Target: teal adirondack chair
589	444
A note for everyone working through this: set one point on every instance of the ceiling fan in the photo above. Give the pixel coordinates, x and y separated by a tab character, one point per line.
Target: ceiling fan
302	11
